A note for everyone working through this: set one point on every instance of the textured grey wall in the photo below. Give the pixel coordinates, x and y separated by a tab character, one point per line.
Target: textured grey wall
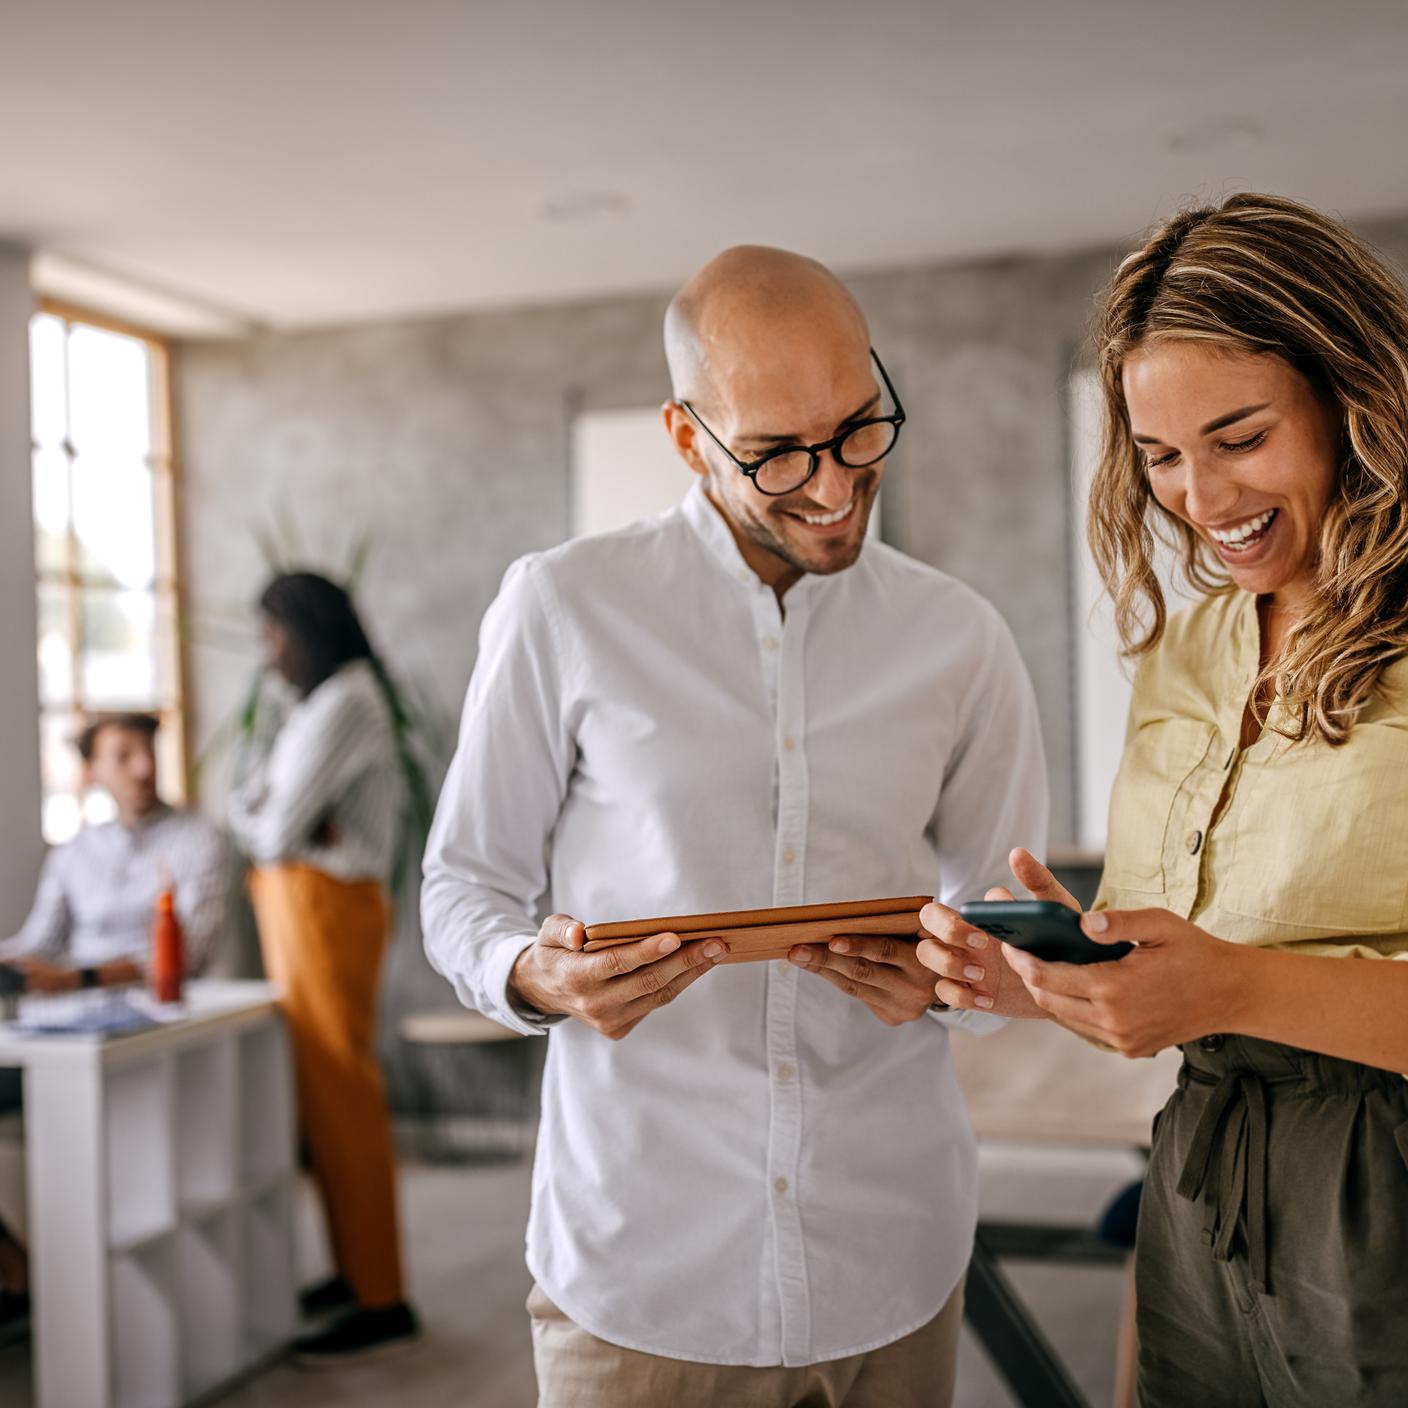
21	846
447	440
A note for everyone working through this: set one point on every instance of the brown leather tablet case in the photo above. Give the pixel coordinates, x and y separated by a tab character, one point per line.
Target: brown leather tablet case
754	934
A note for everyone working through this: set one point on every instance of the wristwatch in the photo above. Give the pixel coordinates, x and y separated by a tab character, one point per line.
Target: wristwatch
88	978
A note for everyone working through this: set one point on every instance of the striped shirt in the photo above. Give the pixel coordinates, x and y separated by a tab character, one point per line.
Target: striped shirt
332	773
96	894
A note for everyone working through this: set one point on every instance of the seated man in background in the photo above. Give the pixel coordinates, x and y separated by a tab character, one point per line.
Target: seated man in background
92	917
91	922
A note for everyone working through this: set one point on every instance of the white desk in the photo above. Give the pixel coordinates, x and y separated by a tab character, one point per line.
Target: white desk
160	1170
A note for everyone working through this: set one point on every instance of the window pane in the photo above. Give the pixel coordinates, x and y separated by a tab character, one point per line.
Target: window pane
51	510
100	511
113	519
109	392
55	645
119	649
98	807
60	818
48	419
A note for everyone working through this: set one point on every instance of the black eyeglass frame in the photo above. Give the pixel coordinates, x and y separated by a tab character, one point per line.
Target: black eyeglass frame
751	468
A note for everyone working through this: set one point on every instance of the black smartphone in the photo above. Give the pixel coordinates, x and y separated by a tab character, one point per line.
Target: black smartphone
1043	928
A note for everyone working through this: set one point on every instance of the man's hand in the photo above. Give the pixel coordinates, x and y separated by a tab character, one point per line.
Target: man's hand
882	972
972	967
613	988
43	976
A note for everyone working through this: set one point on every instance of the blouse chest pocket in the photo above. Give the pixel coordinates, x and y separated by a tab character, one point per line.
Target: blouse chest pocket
1321	835
1151	792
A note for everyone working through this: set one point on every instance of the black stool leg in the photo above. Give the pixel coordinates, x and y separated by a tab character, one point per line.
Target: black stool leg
1017	1348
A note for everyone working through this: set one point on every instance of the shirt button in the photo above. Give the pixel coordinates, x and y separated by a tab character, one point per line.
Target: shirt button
1212	1044
1195	842
769	642
745	577
783	965
785	1072
788	856
789	743
781	1185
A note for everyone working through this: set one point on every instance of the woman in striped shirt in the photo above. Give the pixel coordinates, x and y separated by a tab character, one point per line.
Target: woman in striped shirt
318	818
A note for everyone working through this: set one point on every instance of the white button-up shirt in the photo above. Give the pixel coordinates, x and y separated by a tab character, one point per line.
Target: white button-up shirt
761	1172
97	894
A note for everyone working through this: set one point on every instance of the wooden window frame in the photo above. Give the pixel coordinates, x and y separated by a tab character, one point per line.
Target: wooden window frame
168	583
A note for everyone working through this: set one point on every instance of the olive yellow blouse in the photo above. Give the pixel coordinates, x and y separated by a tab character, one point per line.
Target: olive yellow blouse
1309	852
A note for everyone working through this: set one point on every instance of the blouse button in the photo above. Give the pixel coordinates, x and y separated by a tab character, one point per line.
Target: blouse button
1195	842
1211	1044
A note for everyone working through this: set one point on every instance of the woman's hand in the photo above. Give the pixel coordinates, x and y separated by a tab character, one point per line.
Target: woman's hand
972	967
1178	984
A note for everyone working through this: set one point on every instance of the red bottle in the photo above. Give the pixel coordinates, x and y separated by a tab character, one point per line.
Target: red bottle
168	964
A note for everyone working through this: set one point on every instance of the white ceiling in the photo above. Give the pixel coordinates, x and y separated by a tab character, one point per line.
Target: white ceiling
316	161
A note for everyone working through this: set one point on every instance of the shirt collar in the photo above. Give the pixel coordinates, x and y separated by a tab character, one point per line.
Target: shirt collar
158	814
712	529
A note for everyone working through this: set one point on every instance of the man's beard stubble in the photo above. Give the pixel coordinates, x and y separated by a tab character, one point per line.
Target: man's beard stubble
760	531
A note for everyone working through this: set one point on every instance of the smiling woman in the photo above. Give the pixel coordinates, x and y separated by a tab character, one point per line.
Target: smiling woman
1254	363
1253	483
1267	337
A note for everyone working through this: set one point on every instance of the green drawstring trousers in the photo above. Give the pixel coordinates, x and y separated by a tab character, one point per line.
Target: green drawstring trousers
1272	1259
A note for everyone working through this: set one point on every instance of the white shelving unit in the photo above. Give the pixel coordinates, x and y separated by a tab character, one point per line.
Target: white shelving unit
161	1173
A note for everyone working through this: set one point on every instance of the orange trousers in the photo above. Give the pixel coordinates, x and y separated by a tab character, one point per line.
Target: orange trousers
323	941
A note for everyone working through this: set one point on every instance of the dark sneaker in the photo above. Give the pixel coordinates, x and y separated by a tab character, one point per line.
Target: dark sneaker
327	1296
359	1334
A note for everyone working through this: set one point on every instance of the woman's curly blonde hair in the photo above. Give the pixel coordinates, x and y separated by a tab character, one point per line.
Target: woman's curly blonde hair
1260	274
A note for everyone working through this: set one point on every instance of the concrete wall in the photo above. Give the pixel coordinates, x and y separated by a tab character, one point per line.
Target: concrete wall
447	440
21	846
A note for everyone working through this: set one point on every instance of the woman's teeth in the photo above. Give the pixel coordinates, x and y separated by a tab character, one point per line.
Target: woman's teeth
824	520
1240	538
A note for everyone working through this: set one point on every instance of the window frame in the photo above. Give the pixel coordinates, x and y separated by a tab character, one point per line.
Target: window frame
168	586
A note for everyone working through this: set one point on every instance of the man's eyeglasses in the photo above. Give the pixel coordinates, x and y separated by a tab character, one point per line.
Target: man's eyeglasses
858	445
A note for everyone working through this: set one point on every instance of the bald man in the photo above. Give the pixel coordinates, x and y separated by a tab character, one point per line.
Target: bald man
755	1183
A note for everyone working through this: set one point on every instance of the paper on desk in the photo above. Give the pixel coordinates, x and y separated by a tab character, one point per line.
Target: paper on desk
81	1014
